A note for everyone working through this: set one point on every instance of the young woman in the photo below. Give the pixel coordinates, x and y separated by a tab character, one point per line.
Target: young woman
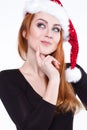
41	94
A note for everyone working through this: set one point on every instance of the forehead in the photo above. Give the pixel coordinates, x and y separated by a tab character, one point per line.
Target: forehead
47	17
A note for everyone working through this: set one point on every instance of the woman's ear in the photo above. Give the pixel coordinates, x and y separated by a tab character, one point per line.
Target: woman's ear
24	34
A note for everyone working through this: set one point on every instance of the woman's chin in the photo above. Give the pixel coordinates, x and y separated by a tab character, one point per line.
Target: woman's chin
46	54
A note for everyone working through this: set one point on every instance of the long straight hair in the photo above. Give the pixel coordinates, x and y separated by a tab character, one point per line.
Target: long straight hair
67	100
22	41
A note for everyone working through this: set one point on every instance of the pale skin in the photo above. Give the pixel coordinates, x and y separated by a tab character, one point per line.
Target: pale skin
43	38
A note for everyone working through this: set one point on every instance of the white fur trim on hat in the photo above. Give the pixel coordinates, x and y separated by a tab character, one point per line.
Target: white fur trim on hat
73	75
51	7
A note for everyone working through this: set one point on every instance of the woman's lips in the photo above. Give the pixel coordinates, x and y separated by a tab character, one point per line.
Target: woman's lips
46	43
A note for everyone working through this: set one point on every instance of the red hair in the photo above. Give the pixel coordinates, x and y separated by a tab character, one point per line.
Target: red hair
22	42
66	98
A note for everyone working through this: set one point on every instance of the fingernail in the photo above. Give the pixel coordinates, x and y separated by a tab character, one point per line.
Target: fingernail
58	62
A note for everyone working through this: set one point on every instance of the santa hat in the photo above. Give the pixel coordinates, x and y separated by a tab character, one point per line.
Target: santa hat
55	8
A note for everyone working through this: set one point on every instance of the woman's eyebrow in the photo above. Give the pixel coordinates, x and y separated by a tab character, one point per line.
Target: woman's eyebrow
47	22
42	20
57	25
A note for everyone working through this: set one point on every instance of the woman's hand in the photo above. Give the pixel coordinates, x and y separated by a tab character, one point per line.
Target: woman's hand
48	65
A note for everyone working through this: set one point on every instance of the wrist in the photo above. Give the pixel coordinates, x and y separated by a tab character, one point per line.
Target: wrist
54	79
54	82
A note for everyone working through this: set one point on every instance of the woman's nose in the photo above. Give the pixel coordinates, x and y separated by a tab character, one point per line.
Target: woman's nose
48	33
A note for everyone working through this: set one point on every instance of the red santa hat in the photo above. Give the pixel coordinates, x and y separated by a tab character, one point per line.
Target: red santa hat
55	8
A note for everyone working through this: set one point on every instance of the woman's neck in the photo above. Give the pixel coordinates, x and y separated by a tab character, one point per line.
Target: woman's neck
30	65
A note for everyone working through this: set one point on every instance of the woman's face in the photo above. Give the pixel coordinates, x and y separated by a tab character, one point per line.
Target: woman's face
44	33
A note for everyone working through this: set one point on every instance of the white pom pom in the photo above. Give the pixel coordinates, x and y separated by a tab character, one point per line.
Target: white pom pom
73	75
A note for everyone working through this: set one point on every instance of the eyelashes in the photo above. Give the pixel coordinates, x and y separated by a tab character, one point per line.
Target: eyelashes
44	26
41	25
56	29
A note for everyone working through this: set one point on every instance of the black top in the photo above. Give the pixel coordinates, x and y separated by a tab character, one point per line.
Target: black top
28	110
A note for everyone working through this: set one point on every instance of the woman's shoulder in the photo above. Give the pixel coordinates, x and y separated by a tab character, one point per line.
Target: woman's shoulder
6	74
6	80
7	71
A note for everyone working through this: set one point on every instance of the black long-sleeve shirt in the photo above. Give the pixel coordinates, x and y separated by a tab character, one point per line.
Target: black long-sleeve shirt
28	110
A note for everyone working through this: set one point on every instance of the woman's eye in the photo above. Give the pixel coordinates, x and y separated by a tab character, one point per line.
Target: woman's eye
56	29
41	25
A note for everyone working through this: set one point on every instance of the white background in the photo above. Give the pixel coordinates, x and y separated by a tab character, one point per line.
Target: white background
10	20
